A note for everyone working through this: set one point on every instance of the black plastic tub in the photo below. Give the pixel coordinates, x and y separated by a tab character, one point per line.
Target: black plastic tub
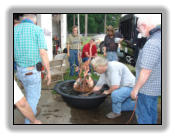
78	99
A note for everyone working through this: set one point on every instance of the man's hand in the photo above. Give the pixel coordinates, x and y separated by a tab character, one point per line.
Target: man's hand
68	54
45	62
134	94
48	78
104	50
106	92
96	88
143	77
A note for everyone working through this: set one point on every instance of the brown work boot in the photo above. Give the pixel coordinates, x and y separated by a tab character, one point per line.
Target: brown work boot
113	115
38	111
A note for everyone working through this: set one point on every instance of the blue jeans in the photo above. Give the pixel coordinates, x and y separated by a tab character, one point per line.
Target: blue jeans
73	60
15	66
121	100
146	111
32	86
112	56
85	59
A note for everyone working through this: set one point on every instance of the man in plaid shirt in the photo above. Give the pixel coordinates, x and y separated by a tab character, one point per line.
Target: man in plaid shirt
29	49
148	71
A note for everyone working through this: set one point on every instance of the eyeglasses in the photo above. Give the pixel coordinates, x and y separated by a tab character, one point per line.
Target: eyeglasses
138	27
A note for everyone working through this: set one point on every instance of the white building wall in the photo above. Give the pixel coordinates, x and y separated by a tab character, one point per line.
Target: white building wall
45	22
63	30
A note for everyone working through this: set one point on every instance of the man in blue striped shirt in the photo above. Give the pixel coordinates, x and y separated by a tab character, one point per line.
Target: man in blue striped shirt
30	49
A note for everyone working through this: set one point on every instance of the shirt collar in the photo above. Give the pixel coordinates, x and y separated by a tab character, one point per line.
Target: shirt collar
27	21
158	28
74	35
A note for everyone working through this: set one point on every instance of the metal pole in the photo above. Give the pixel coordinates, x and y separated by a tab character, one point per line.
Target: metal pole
78	24
86	24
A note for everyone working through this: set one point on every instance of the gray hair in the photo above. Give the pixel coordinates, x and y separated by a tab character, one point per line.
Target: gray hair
33	16
149	19
99	61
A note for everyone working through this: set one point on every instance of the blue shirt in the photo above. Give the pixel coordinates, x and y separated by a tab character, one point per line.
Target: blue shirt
28	39
150	58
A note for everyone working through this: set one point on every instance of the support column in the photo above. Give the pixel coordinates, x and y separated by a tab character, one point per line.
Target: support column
63	30
45	22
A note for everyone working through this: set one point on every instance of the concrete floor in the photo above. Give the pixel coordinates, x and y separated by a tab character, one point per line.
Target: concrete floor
55	111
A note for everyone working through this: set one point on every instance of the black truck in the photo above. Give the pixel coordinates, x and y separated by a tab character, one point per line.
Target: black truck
131	43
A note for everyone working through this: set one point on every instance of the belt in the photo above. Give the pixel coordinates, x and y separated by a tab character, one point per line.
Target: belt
30	68
29	73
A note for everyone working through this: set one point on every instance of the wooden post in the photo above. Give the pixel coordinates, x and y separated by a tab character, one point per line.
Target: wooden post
78	24
105	23
74	20
86	25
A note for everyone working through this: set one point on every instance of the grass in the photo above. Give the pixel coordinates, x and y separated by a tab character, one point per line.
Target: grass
86	40
131	68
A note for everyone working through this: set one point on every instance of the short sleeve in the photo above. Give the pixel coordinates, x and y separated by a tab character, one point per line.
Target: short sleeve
95	49
115	76
105	44
151	54
41	40
101	81
85	48
118	35
68	39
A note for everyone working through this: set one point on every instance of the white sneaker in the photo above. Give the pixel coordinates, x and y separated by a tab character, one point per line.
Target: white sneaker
113	115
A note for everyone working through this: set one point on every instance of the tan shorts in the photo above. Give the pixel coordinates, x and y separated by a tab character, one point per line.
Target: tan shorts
18	95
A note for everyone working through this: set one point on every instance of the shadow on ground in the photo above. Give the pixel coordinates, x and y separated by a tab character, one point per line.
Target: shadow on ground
97	116
55	111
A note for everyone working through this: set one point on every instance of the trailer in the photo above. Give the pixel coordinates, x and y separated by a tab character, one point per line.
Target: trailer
132	40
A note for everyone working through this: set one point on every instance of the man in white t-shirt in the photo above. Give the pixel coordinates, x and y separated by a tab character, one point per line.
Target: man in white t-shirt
120	81
22	104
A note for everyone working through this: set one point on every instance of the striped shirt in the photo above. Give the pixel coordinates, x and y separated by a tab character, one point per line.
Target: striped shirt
150	58
28	39
74	41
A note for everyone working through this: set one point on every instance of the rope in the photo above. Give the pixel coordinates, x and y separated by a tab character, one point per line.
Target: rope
132	112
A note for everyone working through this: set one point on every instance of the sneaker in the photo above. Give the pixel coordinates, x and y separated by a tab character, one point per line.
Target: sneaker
112	115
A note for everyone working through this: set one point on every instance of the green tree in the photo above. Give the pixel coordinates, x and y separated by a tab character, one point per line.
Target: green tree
95	22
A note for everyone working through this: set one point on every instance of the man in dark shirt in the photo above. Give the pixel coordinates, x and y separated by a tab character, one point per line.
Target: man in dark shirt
111	42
